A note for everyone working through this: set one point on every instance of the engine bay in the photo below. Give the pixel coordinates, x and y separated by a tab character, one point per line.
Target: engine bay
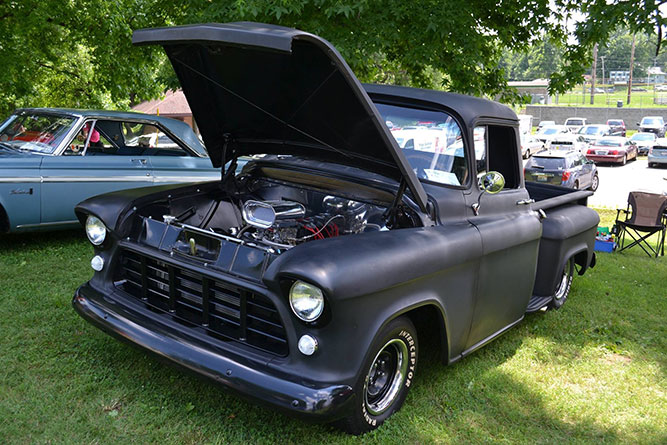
276	215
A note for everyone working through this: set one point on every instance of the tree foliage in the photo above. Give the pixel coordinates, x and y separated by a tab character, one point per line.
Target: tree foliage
78	53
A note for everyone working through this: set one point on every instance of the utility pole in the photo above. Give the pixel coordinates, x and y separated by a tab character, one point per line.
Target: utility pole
594	70
602	58
632	62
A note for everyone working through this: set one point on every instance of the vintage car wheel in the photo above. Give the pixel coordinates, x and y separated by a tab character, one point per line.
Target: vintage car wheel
595	183
385	378
564	285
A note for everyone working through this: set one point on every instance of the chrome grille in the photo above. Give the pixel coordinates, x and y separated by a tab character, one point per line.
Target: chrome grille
222	309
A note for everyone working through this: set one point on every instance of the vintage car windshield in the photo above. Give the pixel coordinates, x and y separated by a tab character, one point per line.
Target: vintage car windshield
431	141
39	133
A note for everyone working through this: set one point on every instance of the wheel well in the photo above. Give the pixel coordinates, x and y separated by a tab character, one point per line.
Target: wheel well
4	221
581	259
431	332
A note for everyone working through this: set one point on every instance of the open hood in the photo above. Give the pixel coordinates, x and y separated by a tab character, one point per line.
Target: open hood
255	88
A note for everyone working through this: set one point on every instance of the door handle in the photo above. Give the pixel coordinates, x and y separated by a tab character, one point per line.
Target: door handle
139	161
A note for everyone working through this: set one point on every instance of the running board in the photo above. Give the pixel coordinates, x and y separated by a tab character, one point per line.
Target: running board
536	303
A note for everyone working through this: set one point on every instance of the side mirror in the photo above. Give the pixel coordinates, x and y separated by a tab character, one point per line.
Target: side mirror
491	182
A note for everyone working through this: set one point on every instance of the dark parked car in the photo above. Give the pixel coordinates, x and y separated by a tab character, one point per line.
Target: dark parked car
653	124
567	168
617	127
51	159
307	280
613	149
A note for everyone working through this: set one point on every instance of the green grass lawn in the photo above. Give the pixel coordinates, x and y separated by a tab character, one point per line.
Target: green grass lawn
592	372
638	99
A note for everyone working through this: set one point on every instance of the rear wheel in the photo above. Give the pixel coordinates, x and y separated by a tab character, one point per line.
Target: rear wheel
595	183
564	285
576	185
385	378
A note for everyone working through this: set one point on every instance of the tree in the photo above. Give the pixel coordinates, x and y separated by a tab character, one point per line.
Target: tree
78	53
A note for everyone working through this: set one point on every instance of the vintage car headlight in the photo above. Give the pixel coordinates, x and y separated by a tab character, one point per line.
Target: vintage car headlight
306	300
96	230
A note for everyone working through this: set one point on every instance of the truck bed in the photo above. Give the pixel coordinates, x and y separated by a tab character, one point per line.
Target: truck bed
548	196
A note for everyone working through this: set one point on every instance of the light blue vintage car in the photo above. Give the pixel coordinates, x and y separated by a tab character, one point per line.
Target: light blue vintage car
51	159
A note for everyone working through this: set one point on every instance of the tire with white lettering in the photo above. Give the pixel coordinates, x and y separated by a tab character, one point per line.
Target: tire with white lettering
385	378
564	285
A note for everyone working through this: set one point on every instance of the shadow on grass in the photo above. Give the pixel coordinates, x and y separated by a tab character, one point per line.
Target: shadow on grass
11	242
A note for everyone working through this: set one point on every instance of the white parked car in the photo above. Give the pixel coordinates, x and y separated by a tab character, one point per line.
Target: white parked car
575	123
594	132
550	131
644	141
568	141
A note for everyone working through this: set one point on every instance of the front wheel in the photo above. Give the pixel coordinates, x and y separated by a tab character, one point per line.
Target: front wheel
625	160
564	285
385	378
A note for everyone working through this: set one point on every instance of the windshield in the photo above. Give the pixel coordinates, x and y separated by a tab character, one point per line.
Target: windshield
608	143
614	122
548	131
39	133
431	141
575	122
546	163
590	130
642	137
651	121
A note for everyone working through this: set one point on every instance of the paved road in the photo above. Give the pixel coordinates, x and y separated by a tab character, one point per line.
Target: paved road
617	181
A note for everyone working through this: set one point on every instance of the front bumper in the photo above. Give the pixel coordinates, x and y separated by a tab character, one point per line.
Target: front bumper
293	394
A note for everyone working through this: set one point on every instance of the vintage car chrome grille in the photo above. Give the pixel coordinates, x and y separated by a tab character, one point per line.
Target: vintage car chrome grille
220	308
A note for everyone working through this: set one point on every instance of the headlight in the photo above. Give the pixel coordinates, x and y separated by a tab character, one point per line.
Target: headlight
306	300
96	230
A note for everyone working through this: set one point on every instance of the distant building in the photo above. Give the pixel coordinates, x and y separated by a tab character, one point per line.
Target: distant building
537	89
173	105
619	76
655	75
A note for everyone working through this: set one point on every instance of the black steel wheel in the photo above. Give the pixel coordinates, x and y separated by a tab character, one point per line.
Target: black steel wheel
564	285
385	379
595	183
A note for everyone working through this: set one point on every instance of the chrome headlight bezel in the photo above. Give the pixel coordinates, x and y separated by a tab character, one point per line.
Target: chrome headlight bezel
96	231
306	301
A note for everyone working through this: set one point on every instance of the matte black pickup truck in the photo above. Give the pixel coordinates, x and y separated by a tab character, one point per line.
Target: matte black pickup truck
367	216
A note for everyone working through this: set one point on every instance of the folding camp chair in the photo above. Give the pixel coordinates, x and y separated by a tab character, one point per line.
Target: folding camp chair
645	215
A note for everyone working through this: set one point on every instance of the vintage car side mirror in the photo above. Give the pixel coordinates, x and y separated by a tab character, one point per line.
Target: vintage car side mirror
490	182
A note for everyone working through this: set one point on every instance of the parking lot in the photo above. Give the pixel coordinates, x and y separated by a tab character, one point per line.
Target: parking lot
617	181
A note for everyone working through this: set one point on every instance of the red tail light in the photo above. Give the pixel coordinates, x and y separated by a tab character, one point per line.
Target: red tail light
566	176
590	151
650	151
613	152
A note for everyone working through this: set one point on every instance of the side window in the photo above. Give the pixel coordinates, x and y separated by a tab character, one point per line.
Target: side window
576	161
431	141
151	139
89	141
496	150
